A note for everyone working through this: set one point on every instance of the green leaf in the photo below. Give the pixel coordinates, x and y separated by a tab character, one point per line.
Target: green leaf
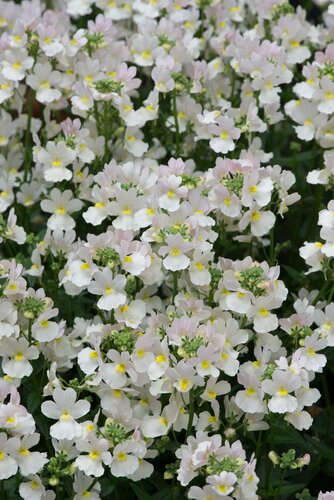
141	494
320	448
166	494
33	401
289	488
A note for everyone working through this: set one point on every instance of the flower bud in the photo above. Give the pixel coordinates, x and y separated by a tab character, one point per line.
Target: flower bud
272	455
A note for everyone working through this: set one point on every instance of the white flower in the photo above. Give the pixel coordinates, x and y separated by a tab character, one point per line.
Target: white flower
127	204
124	462
30	462
60	205
8	465
326	96
15	63
250	399
55	158
16	355
100	211
66	409
279	387
44	330
81	271
133	142
111	288
175	249
310	359
223	483
131	314
97	455
32	489
264	320
8	318
199	274
170	199
256	190
226	132
115	373
83	100
88	360
43	79
159	425
261	221
83	489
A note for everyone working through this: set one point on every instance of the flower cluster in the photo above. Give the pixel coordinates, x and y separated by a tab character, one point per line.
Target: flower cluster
146	327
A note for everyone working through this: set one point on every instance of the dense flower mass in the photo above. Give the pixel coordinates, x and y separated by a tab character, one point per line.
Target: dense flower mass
163	168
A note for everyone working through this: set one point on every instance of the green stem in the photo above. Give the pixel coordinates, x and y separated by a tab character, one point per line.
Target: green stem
96	116
93	484
272	248
3	494
330	294
175	276
106	133
27	152
232	86
177	129
321	292
259	446
116	492
191	412
30	332
278	491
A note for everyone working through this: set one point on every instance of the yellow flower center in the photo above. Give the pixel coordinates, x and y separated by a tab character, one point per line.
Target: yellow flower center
250	392
184	384
24	451
146	54
57	163
65	416
224	135
255	216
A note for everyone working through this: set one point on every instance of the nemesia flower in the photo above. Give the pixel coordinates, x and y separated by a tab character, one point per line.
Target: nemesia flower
60	205
55	158
98	454
66	409
111	289
163	167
